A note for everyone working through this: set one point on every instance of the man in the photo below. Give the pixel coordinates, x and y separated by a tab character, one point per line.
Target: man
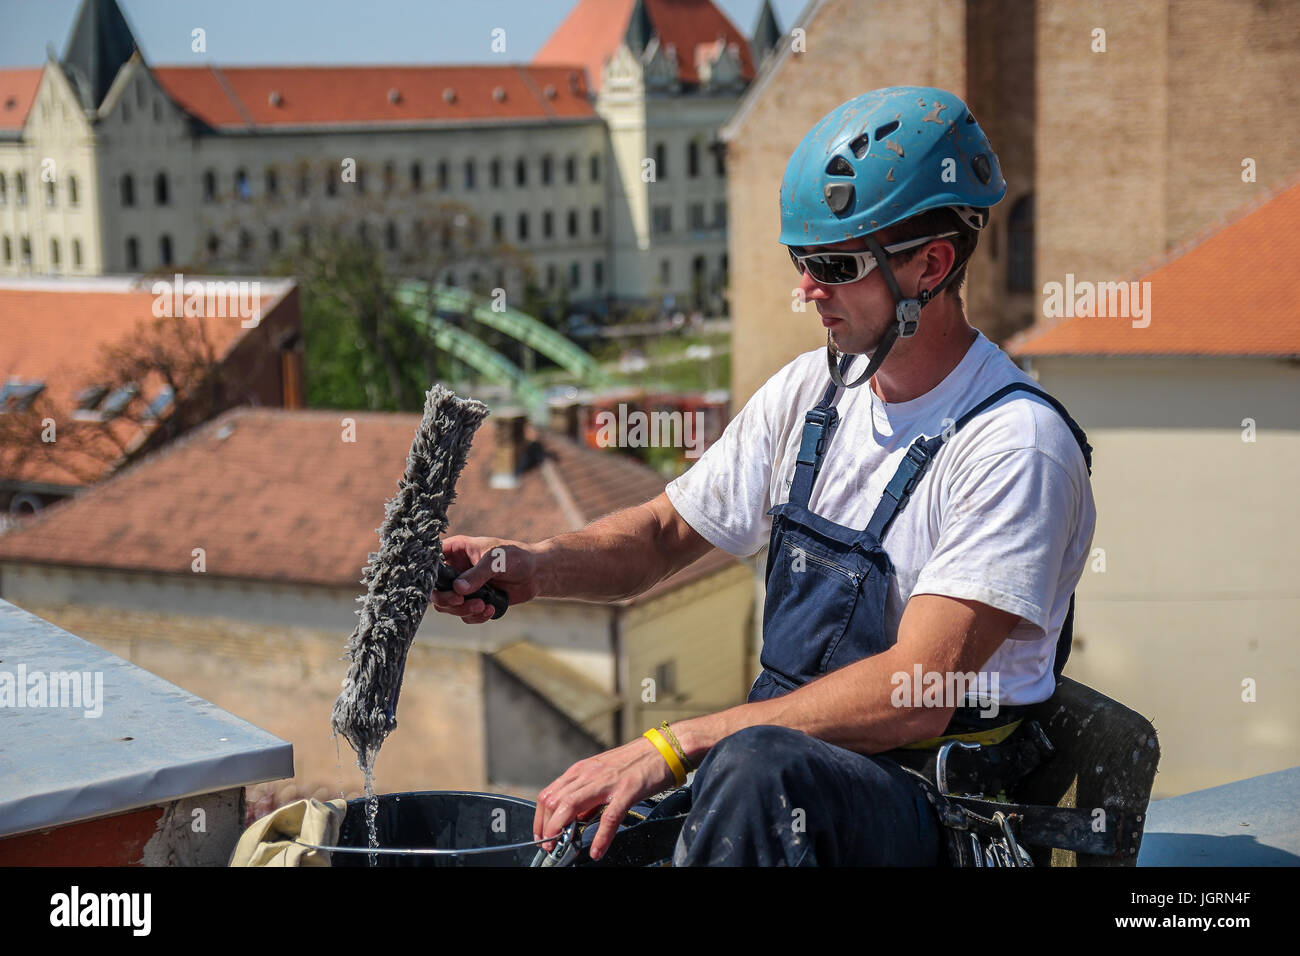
881	206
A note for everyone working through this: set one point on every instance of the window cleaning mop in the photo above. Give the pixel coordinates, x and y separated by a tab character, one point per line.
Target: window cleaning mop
400	577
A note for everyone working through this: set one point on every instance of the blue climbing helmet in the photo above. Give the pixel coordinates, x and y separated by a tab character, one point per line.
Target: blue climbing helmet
881	158
885	156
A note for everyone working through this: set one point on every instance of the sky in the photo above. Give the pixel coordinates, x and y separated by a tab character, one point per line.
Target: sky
322	31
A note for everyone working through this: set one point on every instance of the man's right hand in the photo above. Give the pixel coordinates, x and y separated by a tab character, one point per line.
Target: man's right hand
509	566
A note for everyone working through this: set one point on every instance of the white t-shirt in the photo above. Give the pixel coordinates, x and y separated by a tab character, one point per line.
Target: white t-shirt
1004	515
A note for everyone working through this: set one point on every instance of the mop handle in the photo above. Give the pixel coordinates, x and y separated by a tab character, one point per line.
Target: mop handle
487	593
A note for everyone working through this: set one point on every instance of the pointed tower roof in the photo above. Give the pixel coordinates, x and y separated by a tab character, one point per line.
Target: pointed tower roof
98	47
767	33
594	29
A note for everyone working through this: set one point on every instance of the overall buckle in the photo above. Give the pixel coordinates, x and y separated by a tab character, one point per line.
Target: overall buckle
817	423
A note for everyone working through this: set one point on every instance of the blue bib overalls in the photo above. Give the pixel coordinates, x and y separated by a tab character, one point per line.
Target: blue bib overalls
825	608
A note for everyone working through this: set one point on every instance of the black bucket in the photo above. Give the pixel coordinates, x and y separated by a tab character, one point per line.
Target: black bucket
443	820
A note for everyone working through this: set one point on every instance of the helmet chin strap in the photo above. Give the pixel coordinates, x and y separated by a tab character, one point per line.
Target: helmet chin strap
907	318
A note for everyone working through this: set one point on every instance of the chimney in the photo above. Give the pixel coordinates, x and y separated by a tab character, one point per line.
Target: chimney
508	453
564	417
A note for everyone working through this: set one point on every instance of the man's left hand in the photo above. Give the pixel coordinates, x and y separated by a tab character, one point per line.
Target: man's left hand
616	779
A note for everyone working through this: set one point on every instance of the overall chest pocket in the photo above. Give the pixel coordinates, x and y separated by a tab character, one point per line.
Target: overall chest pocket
824	608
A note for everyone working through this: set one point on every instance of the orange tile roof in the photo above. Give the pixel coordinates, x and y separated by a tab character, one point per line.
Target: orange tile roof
260	96
17	93
594	29
295	503
1231	293
56	332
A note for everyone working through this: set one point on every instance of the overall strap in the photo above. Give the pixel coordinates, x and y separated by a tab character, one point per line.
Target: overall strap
922	451
819	425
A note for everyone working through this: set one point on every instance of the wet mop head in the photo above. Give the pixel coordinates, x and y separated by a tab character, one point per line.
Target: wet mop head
400	576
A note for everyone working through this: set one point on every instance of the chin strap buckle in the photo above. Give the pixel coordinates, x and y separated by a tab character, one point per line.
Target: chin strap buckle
908	315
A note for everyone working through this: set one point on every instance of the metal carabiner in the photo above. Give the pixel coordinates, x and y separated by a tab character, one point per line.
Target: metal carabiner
566	846
941	762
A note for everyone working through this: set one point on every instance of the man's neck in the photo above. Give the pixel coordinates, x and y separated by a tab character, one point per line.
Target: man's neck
915	366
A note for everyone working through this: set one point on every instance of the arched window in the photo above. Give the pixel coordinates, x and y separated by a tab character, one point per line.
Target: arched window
132	253
1020	245
165	249
210	186
72	190
128	190
160	189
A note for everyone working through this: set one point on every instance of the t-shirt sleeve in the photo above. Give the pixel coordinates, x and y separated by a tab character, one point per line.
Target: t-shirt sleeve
724	495
1006	525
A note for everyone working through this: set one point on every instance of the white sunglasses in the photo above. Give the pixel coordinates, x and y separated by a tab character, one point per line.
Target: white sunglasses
841	268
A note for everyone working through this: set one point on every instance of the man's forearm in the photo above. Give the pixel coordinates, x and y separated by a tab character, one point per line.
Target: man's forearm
612	558
850	708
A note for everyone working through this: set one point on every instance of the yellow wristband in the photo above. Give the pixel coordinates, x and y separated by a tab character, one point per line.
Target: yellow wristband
661	745
677	746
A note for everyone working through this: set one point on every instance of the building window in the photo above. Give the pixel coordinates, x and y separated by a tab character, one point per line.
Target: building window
571	169
719	159
9	250
444	176
54	253
573	223
20	189
390	236
720	214
548	225
546	170
595	167
494	173
49	193
304	182
598	275
361	179
209	186
692	159
243	190
331	184
245	244
523	227
695	216
165	249
128	190
595	220
575	275
132	253
662	219
160	189
4	190
214	244
273	240
72	190
390	177
521	172
76	253
665	272
1020	246
498	226
417	176
661	162
469	174
272	182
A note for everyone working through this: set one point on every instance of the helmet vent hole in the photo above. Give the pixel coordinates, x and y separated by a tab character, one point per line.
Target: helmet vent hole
983	171
839	166
859	145
883	131
970	118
